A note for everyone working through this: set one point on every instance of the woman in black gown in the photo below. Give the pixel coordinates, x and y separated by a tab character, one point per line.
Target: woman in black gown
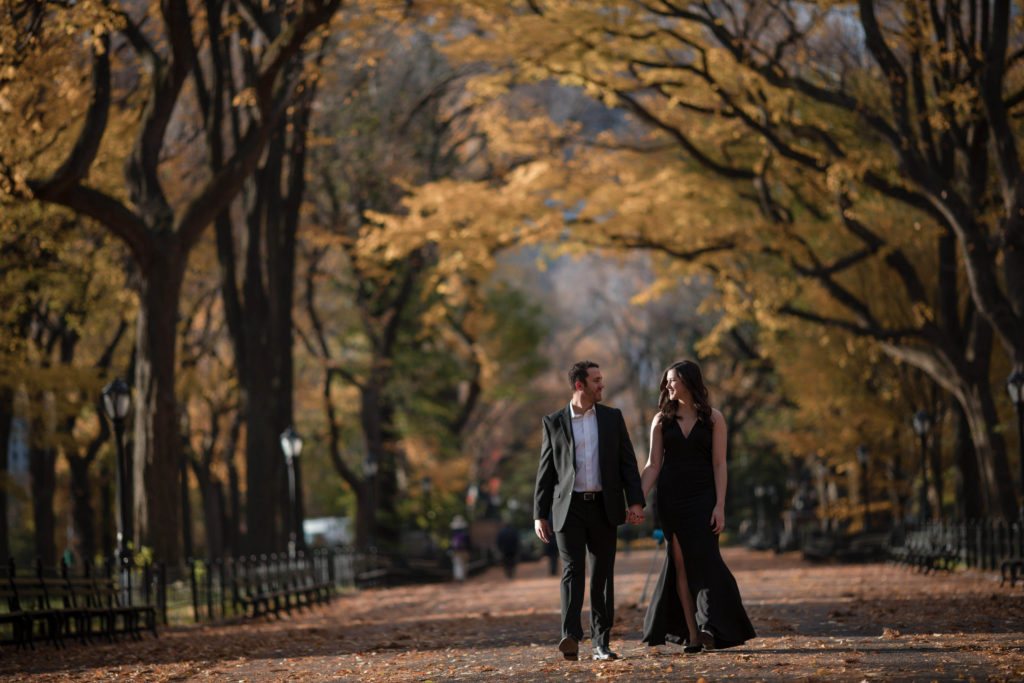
696	602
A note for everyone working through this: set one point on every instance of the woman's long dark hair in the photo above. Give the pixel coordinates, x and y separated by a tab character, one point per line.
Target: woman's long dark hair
689	372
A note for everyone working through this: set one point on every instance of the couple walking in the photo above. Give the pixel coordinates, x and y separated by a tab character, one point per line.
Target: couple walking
588	484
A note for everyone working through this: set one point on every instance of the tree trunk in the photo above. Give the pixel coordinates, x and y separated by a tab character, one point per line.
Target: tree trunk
216	521
186	509
935	476
42	463
897	480
264	470
365	531
82	512
6	415
157	446
969	494
962	368
990	447
382	444
212	493
261	326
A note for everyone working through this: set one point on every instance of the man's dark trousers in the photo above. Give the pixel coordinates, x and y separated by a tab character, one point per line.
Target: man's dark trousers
587	534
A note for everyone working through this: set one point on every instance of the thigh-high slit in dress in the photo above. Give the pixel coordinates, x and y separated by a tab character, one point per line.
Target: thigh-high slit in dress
685	501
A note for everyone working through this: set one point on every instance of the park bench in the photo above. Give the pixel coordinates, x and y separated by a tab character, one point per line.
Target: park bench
927	557
266	585
102	598
864	546
38	600
64	606
395	570
1009	569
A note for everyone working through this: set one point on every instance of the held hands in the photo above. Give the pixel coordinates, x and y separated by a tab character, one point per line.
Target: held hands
635	516
717	520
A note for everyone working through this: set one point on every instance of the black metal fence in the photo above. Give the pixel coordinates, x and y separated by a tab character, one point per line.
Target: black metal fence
985	544
216	590
222	589
212	590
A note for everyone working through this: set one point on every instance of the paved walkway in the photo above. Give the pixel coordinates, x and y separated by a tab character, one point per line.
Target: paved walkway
815	622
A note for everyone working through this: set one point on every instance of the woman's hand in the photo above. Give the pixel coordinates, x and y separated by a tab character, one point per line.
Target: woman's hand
717	520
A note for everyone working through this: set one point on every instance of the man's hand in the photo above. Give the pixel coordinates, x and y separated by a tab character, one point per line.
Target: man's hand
635	515
543	529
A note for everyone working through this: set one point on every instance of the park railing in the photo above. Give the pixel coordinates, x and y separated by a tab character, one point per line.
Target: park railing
254	585
221	589
985	544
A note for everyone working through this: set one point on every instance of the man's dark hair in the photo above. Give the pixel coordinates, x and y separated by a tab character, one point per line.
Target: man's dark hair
580	371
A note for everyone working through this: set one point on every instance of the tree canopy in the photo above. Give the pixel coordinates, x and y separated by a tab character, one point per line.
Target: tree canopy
820	201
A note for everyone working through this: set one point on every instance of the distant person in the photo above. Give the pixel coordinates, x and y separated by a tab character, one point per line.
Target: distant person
508	546
696	602
460	547
586	476
628	534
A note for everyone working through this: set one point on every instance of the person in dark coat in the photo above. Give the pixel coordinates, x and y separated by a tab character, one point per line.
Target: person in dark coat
508	546
586	478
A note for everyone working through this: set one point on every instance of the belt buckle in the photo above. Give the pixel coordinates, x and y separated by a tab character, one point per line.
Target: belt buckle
589	495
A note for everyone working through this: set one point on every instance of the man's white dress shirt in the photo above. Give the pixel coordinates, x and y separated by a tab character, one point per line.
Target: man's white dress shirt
584	434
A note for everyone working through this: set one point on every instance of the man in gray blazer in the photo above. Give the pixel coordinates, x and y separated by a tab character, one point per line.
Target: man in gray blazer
587	476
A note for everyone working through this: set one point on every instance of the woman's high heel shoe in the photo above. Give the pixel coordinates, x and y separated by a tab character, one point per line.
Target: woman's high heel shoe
692	648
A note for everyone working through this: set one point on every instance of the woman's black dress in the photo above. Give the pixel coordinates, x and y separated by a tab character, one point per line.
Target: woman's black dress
685	501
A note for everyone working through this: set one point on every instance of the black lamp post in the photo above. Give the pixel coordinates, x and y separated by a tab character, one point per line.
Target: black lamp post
426	485
759	492
863	456
370	468
512	505
1015	387
117	403
922	424
821	478
291	444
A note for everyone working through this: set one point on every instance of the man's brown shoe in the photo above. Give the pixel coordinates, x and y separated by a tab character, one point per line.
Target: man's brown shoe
569	648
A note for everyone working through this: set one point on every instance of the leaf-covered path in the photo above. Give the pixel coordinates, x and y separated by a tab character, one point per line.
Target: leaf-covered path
815	622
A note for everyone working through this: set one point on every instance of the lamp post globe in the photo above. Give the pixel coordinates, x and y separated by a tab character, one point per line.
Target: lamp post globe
864	457
117	399
922	423
291	445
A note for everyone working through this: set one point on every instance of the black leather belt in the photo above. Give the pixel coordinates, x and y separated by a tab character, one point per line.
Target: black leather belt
587	495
